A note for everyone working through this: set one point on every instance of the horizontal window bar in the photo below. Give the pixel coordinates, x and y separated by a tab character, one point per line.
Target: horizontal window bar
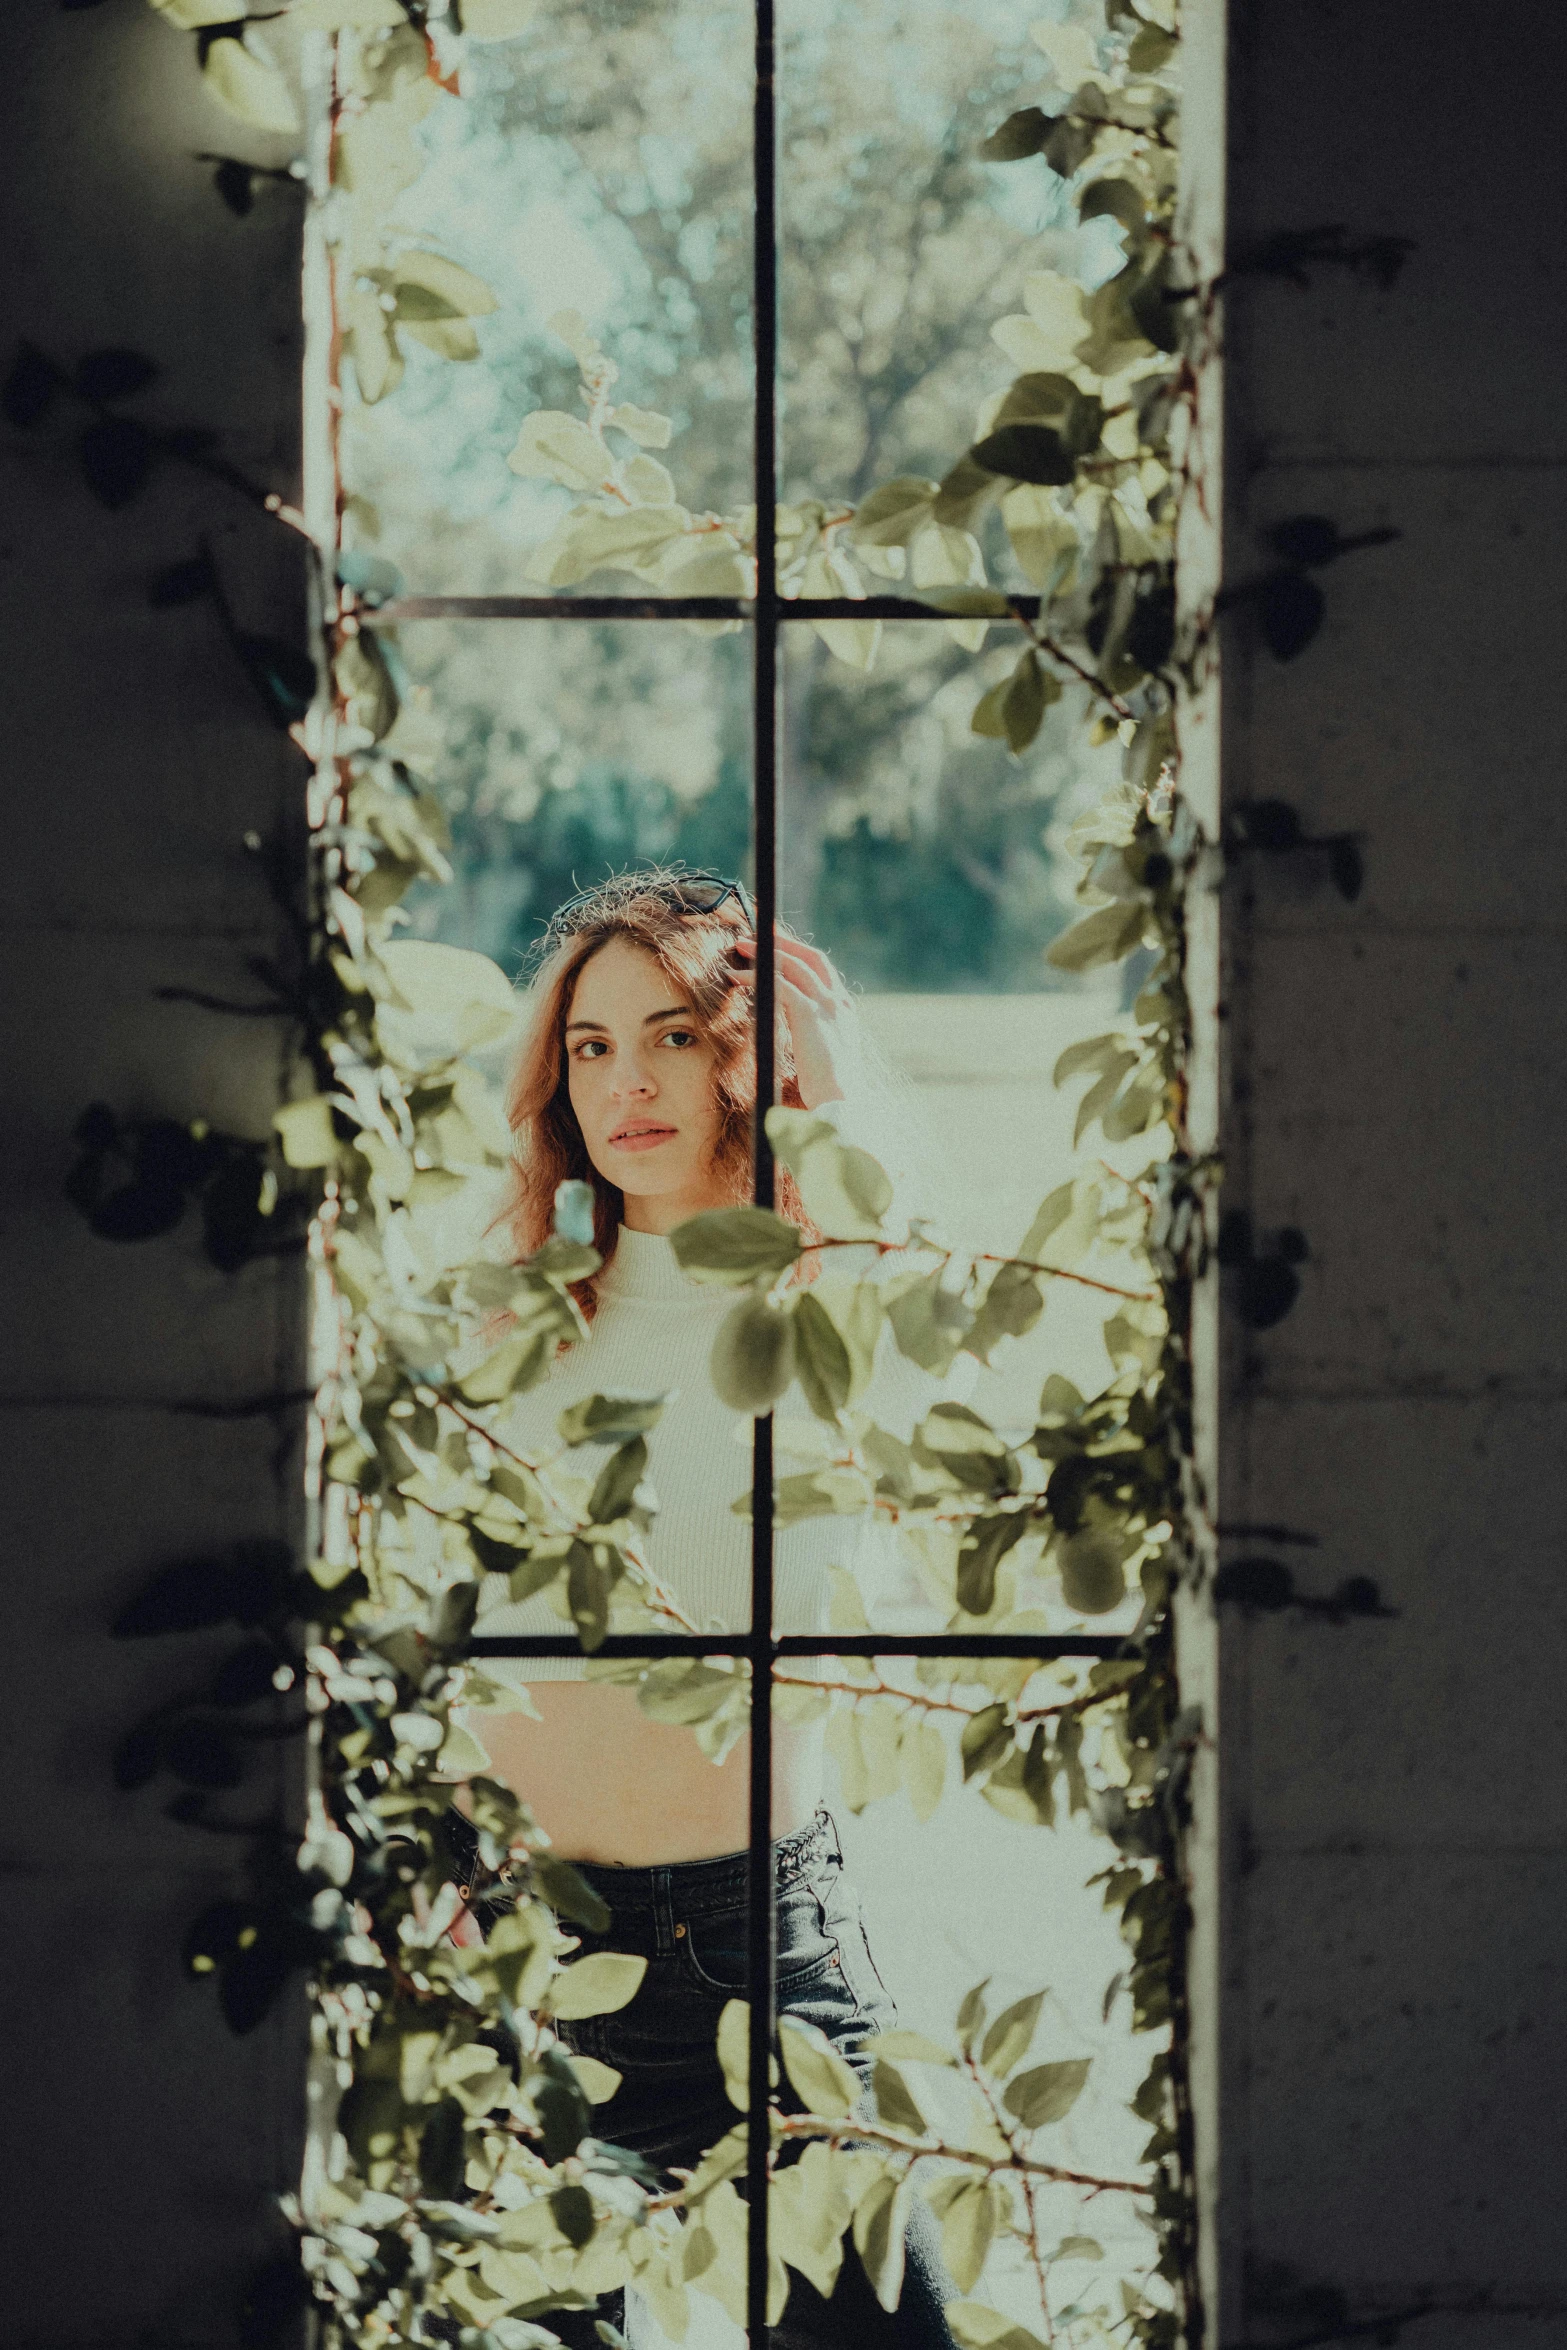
677	608
659	1644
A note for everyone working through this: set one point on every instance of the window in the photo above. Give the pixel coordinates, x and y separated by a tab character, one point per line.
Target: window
755	262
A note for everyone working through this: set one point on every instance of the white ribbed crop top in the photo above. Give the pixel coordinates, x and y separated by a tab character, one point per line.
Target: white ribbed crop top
653	1335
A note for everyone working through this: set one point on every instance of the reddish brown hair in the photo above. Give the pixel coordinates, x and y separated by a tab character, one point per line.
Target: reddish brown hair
694	950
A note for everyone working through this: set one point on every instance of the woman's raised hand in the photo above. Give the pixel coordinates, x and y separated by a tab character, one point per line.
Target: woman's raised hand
814	1003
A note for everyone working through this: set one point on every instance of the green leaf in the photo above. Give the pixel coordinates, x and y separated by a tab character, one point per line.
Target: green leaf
609	1419
1104	936
984	1546
1094	1052
817	2073
1152	48
565	1260
572	2210
1026	452
1093	1573
564	1889
552	446
1052	1212
1047	2093
643	425
971	2014
968	2227
1009	1309
813	1493
971	602
808	2208
822	1362
615	1489
1078	2248
1014	710
956	1439
753	1357
243	78
518	1362
441	2153
1116	199
600	1984
1023	133
1006	2042
880	2220
592	1571
977	2328
987	1736
895	2102
1101	1093
891	515
735	1246
734	2052
963	495
929	1322
846	1192
1069	145
305	1132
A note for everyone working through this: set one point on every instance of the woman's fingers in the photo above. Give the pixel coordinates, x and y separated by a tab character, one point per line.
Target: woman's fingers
810	972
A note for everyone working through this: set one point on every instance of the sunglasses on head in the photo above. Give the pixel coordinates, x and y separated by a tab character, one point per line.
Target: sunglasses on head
690	893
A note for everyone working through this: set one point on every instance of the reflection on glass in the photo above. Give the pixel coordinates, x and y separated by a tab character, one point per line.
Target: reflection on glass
599	163
572	750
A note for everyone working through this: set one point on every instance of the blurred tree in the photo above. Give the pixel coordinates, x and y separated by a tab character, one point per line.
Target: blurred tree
603	161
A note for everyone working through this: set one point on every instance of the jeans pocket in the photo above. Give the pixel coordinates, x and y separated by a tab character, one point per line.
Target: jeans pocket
715	1946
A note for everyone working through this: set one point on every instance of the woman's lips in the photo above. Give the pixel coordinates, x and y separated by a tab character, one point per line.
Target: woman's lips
640	1138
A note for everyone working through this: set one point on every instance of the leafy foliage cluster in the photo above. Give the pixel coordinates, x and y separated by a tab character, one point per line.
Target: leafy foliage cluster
457	2189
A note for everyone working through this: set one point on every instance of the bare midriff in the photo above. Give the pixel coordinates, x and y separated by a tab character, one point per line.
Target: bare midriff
609	1784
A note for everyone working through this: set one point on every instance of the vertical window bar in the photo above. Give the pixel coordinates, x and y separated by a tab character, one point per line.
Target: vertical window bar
761	1967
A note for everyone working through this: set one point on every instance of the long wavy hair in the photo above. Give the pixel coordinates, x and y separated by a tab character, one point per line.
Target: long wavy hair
694	949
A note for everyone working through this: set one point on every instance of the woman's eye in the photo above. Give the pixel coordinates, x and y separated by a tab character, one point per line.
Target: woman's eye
592	1050
680	1036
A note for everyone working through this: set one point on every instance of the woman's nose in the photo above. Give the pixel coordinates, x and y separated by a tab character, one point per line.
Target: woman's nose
633	1080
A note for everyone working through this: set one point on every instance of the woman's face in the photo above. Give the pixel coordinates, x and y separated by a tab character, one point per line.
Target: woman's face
640	1075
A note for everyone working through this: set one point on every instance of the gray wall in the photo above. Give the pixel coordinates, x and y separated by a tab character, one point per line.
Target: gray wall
1394	2075
142	2140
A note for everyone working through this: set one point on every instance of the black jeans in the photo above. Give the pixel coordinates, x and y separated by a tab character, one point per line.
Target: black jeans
689	1922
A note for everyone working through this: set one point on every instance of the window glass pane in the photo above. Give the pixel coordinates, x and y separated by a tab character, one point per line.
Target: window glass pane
563	751
968	1893
901	248
935	869
599	164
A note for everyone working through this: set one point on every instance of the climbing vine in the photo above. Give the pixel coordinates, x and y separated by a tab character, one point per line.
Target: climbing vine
455	2188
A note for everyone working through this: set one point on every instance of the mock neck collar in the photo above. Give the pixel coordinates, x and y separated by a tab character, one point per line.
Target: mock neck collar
644	1265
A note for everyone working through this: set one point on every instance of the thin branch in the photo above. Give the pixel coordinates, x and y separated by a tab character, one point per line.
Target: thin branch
858	2133
885	1248
920	1698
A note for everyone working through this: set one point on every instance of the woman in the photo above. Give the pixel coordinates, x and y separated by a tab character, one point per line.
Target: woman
637	1077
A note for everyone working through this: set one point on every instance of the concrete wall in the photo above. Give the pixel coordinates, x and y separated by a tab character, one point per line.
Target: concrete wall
141	2140
1394	2081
